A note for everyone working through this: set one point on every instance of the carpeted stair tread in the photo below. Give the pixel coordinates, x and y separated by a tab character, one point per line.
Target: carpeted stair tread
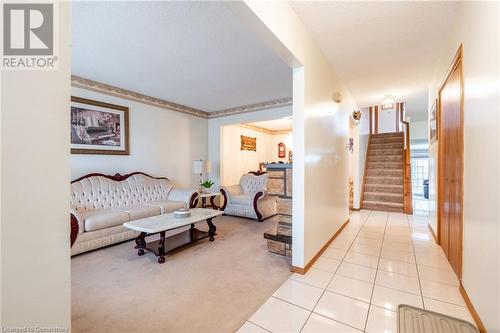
384	206
383	183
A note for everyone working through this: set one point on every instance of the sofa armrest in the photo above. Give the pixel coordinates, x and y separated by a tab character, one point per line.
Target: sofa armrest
264	205
263	193
75	215
228	192
256	197
74	229
189	196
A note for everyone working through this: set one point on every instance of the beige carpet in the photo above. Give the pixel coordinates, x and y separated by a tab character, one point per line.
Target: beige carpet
208	287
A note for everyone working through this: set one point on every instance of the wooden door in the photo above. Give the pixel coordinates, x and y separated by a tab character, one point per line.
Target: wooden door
451	165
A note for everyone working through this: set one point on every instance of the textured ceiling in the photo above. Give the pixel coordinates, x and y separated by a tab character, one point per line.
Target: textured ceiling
381	47
192	53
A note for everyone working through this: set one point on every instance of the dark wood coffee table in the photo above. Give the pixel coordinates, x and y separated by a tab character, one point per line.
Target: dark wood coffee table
160	224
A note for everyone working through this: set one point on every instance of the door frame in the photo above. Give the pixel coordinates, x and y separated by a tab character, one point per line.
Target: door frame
457	61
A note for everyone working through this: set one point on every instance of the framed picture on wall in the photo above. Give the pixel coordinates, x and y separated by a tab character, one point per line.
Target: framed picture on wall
433	133
281	150
248	143
98	127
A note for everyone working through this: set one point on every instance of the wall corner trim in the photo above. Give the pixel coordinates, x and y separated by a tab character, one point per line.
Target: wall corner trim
433	234
473	311
311	262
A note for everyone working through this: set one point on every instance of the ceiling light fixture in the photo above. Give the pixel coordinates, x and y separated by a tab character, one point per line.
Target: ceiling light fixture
388	102
337	97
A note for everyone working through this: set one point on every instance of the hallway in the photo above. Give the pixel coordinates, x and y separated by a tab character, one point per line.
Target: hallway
379	260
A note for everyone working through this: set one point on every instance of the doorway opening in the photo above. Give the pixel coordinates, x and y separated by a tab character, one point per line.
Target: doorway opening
420	176
249	147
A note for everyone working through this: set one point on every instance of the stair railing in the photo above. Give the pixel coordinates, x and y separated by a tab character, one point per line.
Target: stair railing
407	189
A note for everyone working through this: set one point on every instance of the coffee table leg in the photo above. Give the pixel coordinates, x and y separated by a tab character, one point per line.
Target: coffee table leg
161	249
140	242
211	230
191	233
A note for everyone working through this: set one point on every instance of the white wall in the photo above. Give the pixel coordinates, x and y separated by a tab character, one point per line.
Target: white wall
275	139
215	133
320	127
477	28
354	164
162	143
386	120
236	162
361	136
35	252
419	130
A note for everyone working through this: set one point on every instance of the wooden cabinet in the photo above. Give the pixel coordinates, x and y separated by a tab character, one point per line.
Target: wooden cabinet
450	180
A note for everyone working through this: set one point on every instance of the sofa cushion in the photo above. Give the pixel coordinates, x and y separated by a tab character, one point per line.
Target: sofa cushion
137	212
168	206
104	218
242	199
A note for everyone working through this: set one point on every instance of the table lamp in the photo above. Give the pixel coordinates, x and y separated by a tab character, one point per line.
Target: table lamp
201	167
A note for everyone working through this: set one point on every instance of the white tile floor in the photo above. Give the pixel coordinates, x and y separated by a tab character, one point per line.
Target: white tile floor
380	260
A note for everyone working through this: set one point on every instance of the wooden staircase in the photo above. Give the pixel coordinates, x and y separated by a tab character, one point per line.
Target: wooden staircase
383	187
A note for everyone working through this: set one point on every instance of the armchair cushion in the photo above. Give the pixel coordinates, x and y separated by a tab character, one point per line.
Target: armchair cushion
242	199
137	212
104	218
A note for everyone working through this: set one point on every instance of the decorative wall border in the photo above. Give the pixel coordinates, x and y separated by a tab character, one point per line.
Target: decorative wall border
252	107
103	88
265	130
107	89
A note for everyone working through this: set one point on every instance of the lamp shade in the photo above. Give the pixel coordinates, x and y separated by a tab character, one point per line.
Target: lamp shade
200	166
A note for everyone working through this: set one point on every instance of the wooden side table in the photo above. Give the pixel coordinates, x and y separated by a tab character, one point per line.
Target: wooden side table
211	197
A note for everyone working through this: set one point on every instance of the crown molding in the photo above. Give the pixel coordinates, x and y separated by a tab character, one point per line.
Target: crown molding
107	89
103	88
264	130
252	107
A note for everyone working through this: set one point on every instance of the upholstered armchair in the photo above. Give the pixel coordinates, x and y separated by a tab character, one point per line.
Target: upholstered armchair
249	198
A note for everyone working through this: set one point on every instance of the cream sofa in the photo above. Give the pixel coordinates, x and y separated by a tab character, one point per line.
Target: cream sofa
100	204
249	198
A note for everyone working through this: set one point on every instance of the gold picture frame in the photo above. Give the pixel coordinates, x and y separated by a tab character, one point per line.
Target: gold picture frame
433	122
248	143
